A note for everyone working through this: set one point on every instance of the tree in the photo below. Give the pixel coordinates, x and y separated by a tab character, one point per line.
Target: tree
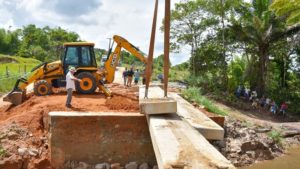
289	9
187	25
261	28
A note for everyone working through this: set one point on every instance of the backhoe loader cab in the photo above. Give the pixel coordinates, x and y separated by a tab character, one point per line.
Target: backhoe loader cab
79	55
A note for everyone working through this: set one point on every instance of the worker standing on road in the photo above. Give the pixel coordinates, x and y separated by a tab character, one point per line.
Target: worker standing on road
129	76
70	86
136	76
125	76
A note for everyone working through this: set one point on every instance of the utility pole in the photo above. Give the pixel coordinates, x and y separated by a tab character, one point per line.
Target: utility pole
109	43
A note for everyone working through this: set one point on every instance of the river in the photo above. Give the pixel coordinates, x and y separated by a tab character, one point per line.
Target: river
291	160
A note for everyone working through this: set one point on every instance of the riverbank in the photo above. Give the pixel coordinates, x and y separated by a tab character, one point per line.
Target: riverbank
290	160
250	139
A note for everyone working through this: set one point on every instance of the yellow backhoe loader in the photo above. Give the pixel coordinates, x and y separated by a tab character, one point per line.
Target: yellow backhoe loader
80	55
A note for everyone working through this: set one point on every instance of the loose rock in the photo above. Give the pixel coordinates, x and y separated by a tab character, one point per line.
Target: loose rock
144	166
22	151
12	135
115	166
131	165
82	165
33	152
102	166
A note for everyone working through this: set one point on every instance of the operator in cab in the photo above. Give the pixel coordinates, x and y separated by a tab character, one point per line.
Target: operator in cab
70	86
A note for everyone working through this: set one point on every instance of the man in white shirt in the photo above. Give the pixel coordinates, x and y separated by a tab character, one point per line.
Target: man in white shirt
70	86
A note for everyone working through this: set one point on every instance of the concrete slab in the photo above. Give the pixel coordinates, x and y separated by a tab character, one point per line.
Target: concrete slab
178	145
99	137
156	103
206	126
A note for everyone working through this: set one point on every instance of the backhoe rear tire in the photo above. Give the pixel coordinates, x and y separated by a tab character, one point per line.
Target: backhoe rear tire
88	83
42	88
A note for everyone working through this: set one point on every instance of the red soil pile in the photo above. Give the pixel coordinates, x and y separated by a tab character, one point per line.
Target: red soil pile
121	103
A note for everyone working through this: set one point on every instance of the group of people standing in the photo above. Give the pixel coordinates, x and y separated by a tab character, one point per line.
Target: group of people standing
128	76
263	102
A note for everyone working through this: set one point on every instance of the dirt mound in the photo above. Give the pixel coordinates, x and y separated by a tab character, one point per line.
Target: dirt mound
121	103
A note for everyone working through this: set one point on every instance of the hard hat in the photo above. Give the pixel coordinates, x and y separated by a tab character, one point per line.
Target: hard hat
71	68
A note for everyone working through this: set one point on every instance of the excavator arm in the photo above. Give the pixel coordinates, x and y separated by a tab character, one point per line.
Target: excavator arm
113	60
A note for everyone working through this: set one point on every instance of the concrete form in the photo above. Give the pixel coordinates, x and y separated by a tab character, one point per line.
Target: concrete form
176	143
156	103
99	137
207	127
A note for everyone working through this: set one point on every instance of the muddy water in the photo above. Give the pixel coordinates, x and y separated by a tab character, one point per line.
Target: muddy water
289	161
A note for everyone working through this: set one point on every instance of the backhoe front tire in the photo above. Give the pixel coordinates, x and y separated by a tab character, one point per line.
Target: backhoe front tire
88	83
42	88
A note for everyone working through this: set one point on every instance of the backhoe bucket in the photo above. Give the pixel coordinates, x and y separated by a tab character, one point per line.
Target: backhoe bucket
102	87
15	97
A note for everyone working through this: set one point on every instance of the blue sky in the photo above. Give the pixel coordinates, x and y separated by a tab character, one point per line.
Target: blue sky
93	20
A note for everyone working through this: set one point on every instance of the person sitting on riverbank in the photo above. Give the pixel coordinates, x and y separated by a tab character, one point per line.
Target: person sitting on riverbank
273	108
283	108
268	102
255	104
238	91
262	101
253	95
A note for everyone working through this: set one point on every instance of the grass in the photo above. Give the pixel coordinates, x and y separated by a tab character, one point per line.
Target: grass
2	151
9	72
193	94
275	136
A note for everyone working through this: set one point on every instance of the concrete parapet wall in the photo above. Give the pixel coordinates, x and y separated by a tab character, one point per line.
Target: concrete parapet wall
99	137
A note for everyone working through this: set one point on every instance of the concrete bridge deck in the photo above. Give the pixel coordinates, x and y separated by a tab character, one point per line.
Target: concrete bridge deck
176	138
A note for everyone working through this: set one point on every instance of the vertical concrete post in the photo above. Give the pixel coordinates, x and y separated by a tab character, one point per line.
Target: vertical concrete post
167	45
151	49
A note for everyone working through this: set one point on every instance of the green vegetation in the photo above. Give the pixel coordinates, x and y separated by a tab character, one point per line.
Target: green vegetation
235	42
177	73
11	68
2	151
193	94
44	44
275	136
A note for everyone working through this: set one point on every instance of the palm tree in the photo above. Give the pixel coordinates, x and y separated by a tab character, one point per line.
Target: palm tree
259	26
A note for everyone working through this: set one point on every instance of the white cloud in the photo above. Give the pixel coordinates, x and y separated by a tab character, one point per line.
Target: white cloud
93	20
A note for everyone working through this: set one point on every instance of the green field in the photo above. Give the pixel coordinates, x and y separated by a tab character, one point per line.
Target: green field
11	68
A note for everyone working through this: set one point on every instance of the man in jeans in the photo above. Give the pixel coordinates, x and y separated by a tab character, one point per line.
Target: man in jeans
70	86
